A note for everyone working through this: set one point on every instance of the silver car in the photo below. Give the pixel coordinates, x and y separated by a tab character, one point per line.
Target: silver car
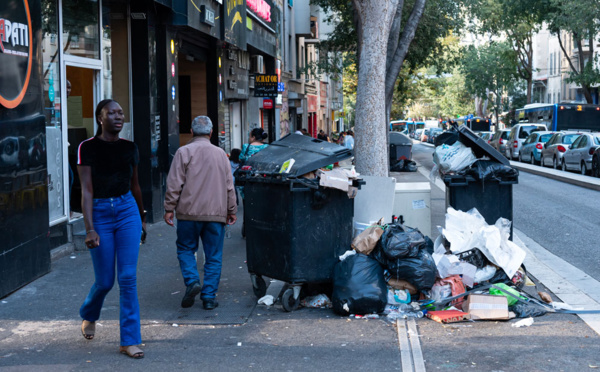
556	146
499	140
579	156
518	135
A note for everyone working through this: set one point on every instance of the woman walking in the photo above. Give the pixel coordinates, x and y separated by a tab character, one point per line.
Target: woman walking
254	145
114	219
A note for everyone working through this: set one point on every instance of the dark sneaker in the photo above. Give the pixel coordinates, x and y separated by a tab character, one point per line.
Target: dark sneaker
209	304
191	292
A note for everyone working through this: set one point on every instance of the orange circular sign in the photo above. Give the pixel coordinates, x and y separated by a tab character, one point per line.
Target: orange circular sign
16	51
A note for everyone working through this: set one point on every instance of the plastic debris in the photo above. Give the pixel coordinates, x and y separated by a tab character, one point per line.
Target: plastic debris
318	301
347	254
266	300
523	323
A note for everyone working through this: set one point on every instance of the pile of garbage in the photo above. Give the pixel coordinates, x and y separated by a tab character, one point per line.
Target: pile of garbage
472	271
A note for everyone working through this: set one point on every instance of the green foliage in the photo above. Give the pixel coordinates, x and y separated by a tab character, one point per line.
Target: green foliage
490	68
455	99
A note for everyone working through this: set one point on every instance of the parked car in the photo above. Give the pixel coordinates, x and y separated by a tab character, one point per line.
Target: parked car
486	136
596	163
499	140
556	146
579	156
424	135
433	133
416	134
518	135
531	151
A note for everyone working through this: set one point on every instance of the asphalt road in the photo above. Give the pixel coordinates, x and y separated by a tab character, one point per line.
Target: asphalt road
561	217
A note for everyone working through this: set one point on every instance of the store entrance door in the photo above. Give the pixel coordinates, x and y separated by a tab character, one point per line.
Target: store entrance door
81	103
235	113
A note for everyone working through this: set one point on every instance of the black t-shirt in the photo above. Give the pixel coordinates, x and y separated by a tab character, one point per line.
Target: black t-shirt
112	165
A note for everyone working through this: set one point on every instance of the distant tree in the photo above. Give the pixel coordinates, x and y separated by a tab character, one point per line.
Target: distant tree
490	69
518	20
576	23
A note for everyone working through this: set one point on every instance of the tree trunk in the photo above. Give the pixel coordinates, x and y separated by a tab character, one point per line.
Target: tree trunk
375	18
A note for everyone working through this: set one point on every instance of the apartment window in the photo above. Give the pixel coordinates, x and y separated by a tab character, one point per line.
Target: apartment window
548	101
289	52
558	97
550	69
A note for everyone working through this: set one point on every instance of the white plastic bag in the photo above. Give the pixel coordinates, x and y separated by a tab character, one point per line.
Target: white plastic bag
469	230
453	158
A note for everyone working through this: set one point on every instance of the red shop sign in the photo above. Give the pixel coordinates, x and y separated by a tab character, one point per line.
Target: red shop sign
267	103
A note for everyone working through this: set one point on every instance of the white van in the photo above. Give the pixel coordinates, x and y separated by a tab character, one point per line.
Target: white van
518	135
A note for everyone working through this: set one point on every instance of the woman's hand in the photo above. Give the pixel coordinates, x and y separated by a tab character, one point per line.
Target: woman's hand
92	240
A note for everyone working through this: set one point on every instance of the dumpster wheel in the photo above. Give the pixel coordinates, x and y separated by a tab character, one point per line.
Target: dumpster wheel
288	301
259	286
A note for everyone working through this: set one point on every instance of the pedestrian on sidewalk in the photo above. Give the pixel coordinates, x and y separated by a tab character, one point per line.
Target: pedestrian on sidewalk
114	218
349	140
254	145
200	190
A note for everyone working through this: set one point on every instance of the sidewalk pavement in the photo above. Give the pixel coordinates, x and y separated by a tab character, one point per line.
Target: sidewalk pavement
40	324
40	327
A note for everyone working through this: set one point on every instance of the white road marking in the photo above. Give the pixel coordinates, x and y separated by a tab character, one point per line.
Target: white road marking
410	346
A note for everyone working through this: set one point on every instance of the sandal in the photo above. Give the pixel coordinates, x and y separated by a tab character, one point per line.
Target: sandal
88	329
132	351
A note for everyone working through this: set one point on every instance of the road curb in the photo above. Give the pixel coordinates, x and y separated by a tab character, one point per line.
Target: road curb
572	178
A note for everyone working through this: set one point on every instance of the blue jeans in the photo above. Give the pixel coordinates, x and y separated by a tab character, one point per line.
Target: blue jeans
117	221
212	235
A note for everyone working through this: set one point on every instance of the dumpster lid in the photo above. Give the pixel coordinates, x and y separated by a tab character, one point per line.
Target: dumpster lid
309	154
397	138
479	146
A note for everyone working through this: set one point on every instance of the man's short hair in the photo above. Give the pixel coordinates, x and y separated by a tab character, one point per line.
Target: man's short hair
201	126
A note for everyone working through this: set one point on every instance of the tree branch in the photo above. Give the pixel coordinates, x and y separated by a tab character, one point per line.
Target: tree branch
408	33
562	47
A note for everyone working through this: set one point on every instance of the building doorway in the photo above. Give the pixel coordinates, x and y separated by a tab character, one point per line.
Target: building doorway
81	123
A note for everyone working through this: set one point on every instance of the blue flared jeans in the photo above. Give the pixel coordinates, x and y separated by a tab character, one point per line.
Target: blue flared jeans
117	221
212	235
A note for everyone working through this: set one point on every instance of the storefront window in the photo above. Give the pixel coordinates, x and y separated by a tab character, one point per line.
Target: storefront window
80	28
52	109
115	54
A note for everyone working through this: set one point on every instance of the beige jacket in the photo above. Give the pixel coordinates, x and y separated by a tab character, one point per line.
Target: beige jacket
200	184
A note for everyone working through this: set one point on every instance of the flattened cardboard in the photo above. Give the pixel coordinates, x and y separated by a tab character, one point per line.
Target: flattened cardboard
486	307
447	316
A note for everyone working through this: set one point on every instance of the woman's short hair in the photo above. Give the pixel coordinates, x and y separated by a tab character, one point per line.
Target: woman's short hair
201	126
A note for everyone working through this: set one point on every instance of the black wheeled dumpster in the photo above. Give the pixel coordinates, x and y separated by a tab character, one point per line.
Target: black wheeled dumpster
487	186
295	229
400	147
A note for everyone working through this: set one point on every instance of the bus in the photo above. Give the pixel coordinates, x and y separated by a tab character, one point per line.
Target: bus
562	116
398	125
475	124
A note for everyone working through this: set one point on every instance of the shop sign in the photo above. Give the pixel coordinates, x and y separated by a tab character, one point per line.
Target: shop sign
207	16
312	103
16	51
260	8
267	103
265	85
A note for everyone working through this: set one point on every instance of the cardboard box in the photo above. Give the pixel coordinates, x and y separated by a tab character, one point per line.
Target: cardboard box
336	179
447	316
486	307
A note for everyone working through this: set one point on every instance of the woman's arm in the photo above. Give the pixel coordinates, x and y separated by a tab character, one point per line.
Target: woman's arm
136	191
92	240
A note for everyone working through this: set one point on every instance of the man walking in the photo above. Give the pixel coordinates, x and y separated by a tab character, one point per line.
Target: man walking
200	190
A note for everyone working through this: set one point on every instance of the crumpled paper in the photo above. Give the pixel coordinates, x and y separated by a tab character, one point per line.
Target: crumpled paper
266	300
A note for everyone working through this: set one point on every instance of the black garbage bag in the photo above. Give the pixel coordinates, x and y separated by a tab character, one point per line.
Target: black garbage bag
358	286
403	165
399	241
419	271
428	245
523	310
485	170
378	255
